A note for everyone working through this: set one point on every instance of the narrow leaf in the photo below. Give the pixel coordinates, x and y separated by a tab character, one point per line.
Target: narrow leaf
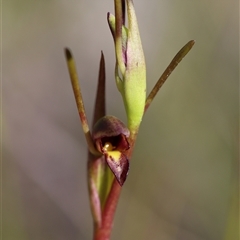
173	64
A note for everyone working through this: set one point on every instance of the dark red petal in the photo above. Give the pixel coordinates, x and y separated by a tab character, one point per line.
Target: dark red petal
119	164
109	126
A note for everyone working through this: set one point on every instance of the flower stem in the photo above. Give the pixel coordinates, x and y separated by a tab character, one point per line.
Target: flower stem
104	231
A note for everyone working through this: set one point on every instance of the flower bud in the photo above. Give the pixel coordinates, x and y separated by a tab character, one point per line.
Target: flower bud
130	72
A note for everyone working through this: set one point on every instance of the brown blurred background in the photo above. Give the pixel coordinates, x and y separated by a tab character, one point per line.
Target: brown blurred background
183	181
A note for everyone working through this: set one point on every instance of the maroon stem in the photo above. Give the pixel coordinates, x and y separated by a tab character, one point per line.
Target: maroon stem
104	231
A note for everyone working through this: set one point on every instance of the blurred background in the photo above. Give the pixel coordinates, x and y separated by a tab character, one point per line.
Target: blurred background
183	180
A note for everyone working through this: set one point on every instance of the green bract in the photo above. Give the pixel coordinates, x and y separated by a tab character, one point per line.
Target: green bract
130	72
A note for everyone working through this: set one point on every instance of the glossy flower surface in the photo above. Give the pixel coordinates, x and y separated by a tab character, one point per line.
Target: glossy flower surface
110	136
